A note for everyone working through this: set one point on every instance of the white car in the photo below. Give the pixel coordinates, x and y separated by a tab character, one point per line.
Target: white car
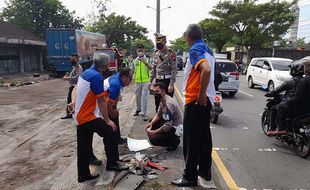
269	72
230	76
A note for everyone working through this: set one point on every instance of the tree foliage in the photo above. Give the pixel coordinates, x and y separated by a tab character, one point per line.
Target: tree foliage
38	15
120	30
216	32
255	23
179	44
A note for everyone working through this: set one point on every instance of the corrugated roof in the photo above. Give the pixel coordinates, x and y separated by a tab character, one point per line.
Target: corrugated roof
12	31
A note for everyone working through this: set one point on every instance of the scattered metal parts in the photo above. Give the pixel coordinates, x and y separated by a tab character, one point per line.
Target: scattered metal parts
129	182
119	177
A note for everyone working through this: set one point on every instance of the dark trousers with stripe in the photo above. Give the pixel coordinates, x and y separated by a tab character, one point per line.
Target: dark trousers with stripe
84	144
69	98
197	140
157	98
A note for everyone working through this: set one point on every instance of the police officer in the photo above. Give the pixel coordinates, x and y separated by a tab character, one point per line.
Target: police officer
164	68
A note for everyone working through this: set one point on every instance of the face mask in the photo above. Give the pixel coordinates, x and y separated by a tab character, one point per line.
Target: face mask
140	54
159	46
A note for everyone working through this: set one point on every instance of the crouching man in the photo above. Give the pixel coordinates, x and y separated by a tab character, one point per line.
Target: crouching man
166	127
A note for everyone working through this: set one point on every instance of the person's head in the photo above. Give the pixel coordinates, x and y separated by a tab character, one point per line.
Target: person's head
74	58
161	41
126	76
192	34
159	89
296	69
101	61
306	64
140	50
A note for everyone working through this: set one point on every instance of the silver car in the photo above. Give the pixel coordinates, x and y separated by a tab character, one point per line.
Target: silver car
230	76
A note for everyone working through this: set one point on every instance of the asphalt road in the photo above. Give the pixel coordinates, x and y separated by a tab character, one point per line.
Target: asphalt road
254	160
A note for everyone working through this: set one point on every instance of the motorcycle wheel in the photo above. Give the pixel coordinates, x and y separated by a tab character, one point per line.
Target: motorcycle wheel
214	117
301	145
265	122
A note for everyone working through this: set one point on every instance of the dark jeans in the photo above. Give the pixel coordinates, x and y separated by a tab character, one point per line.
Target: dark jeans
69	98
197	140
273	116
157	98
84	144
164	139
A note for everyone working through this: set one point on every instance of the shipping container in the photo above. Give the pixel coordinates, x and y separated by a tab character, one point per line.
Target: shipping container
61	43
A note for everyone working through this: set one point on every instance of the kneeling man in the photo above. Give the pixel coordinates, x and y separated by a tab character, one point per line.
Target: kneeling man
166	127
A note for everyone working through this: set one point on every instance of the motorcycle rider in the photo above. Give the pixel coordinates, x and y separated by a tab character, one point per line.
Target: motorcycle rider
289	86
299	104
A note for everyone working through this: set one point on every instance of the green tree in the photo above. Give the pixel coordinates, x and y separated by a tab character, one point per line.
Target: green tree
216	32
179	44
120	30
254	24
301	42
38	15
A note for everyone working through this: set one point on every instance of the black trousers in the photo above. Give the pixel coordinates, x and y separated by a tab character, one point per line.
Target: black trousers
273	116
164	139
84	144
69	98
157	99
285	111
197	140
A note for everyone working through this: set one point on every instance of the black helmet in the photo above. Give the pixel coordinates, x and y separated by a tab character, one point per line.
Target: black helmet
296	69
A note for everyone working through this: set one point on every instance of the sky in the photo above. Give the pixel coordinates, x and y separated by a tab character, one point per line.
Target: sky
175	20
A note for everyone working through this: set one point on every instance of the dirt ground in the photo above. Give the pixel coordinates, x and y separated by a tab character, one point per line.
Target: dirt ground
36	146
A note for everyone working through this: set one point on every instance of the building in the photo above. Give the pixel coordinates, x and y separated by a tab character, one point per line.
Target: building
20	51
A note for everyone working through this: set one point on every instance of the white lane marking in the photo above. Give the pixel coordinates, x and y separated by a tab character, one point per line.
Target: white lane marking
212	127
223	149
235	148
245	128
246	93
260	114
267	150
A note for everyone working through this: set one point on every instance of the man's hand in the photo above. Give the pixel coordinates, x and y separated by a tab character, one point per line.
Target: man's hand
111	124
202	99
151	132
150	86
149	126
170	88
71	107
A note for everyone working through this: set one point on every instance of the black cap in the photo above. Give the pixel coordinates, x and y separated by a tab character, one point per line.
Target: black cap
140	46
74	54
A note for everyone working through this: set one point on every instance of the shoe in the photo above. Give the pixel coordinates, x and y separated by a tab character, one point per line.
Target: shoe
90	177
67	117
122	140
183	182
137	112
144	117
271	132
282	132
95	161
206	176
117	167
173	147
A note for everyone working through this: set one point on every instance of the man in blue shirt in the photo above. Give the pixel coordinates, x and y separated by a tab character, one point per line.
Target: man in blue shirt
113	87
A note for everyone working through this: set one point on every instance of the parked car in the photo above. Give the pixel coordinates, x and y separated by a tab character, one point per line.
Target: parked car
269	72
180	63
230	76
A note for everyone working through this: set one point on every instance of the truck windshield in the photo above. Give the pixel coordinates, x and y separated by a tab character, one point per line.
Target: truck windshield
281	65
110	53
226	67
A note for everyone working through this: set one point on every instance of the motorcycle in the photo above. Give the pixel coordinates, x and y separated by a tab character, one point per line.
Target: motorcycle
298	136
217	109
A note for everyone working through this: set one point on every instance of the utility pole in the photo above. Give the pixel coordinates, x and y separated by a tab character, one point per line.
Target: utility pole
158	16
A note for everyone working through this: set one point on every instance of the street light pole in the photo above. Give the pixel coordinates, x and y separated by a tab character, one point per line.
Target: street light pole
158	16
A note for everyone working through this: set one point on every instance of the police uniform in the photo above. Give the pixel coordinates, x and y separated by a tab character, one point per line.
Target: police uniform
164	68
